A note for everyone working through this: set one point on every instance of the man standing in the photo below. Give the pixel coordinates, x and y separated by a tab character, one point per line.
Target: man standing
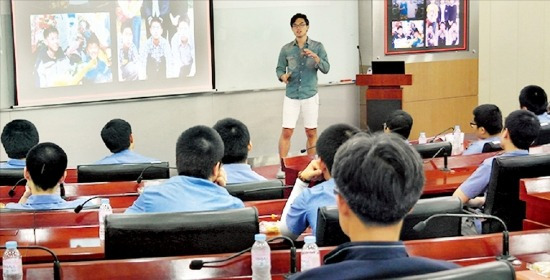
297	67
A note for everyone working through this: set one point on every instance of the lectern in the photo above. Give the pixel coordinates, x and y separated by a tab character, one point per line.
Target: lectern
384	95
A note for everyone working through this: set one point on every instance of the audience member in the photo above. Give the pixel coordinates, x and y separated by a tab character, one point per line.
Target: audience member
45	170
534	99
399	122
487	124
18	137
237	144
117	136
521	128
300	210
379	179
201	180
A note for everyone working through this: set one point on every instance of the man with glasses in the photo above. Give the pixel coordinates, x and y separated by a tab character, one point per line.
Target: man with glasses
487	124
297	67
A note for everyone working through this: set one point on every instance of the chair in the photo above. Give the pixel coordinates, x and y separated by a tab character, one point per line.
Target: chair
490	147
431	150
181	233
262	190
544	135
502	199
10	176
122	172
329	232
496	270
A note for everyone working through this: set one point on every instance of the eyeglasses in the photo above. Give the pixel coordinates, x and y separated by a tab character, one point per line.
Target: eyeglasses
473	124
303	24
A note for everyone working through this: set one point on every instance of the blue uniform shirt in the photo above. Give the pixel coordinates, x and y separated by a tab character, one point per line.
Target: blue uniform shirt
302	83
372	260
46	202
184	194
13	163
303	211
477	146
238	173
544	118
477	183
125	156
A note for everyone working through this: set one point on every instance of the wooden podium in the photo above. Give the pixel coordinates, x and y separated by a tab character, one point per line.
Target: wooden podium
384	95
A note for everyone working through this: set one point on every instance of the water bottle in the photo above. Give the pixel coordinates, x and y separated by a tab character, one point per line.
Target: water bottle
12	265
310	257
457	140
261	258
422	138
104	210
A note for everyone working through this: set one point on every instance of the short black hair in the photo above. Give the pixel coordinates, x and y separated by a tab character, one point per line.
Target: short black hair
235	138
198	150
523	127
534	99
126	24
116	135
331	139
297	16
400	122
18	137
489	117
379	176
48	31
46	163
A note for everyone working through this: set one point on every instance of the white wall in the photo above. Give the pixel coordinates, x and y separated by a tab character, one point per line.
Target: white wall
514	45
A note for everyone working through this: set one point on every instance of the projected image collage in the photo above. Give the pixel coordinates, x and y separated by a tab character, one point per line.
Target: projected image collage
425	25
116	41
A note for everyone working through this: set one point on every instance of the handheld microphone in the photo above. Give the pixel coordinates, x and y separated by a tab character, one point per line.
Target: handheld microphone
243	192
505	237
198	264
56	263
307	149
360	61
437	135
79	208
140	177
11	192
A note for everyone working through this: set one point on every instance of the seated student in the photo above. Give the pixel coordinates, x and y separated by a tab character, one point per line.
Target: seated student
300	210
534	99
487	124
18	137
379	179
521	128
117	136
201	180
237	144
399	122
45	170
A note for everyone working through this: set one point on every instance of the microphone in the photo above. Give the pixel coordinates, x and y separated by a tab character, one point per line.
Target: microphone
11	192
437	135
79	208
505	237
140	177
198	264
360	61
307	149
243	192
62	190
56	264
445	161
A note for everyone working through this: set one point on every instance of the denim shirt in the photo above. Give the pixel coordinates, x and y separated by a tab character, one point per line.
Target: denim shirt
302	83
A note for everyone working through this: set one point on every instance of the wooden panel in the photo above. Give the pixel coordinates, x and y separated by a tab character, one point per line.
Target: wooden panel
383	80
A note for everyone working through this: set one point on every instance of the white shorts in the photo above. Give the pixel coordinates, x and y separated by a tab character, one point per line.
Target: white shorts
309	108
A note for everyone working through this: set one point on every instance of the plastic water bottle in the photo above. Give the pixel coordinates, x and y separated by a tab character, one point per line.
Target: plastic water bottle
12	265
422	138
261	258
104	210
457	140
310	257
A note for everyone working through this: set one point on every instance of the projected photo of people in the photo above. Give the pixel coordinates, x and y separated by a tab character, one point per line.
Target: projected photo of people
70	50
408	34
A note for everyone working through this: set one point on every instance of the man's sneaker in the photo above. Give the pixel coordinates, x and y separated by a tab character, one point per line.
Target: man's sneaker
280	174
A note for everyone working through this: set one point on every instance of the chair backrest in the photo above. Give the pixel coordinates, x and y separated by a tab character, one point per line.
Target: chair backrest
122	172
500	270
437	149
262	190
502	199
10	176
181	233
493	146
544	135
329	232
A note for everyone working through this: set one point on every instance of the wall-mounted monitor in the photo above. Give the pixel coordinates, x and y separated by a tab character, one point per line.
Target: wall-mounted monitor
416	26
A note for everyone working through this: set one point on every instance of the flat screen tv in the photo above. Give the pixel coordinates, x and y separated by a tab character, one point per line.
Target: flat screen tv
416	26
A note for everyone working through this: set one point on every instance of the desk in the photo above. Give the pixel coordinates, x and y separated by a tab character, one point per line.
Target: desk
536	194
528	246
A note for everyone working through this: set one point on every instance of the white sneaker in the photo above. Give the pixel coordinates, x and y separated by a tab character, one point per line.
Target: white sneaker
280	174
